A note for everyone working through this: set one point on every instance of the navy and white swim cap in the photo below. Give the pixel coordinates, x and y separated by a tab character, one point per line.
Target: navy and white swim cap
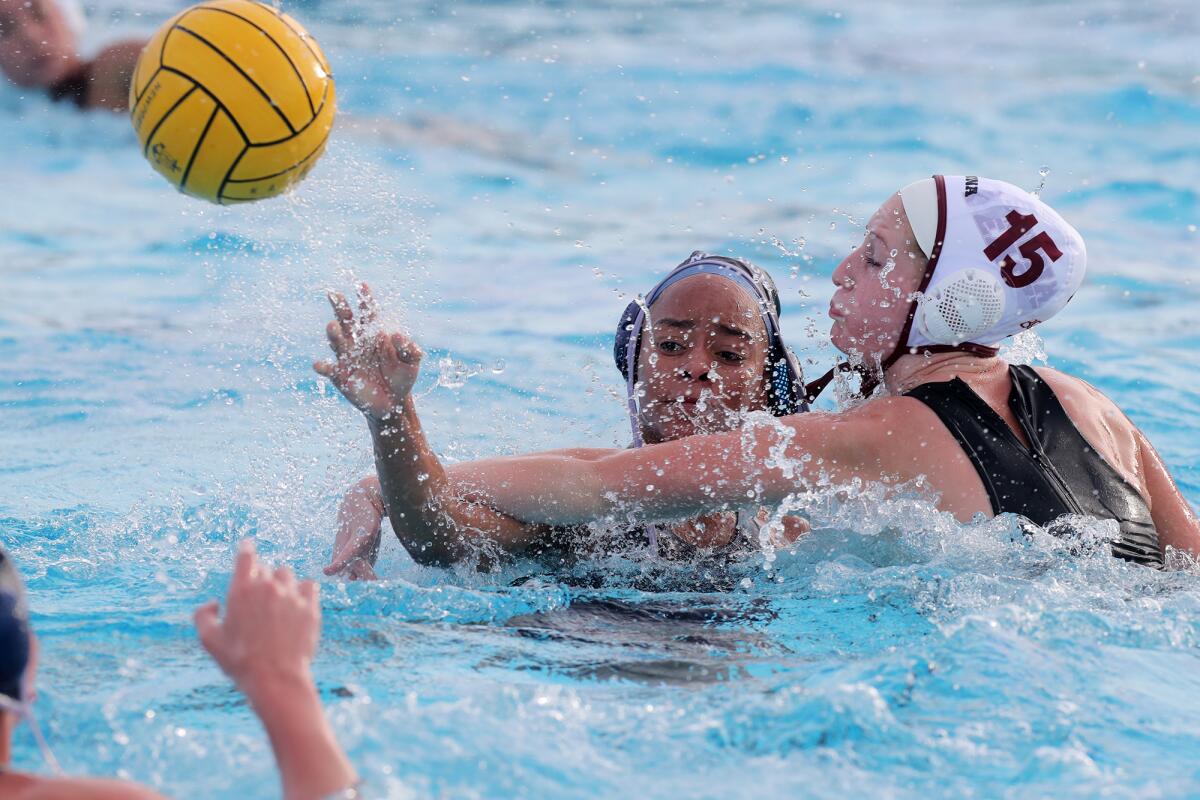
786	390
14	630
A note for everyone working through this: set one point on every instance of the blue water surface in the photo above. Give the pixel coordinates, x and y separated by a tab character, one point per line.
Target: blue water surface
507	176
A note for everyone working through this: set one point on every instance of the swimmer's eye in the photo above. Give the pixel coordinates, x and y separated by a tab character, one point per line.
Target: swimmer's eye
731	357
670	347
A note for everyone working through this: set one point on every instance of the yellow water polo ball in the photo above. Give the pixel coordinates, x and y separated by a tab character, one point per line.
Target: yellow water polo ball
232	101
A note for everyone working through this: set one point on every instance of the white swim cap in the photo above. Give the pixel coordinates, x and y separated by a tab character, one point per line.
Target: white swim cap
1000	261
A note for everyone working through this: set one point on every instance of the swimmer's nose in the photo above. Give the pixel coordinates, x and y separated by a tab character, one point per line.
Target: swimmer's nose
700	369
841	275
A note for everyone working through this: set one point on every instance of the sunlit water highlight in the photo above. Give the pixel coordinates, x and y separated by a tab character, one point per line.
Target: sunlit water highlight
507	178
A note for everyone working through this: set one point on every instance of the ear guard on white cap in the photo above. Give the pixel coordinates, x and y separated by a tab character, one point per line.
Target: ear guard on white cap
960	309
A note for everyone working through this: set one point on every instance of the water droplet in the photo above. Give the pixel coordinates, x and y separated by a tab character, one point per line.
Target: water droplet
498	367
453	374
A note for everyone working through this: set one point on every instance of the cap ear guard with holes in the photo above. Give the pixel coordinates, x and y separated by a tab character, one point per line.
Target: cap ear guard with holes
961	309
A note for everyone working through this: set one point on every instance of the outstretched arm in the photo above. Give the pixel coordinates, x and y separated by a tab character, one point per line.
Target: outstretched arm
673	480
266	644
376	372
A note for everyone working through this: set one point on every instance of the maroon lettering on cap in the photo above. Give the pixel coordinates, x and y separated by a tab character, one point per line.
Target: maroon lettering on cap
1018	225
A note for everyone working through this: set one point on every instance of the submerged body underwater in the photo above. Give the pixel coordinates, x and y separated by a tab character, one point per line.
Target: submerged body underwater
508	178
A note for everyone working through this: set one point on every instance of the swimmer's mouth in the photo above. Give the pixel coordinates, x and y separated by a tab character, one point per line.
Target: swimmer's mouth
835	312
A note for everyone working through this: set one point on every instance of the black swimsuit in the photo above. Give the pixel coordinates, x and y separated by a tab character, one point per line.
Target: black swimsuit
1060	473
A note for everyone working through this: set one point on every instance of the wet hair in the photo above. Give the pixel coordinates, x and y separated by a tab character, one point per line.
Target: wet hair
14	629
785	384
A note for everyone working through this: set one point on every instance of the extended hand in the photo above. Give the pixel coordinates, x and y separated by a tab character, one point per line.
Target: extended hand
271	626
374	371
353	554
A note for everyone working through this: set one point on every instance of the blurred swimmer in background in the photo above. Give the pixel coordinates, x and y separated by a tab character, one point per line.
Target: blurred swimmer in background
39	41
949	267
265	643
702	351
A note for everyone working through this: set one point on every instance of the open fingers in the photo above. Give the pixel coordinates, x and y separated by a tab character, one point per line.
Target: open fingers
368	309
311	593
339	341
383	343
343	314
245	565
285	578
208	623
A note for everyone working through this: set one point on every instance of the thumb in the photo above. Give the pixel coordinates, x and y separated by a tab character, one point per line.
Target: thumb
208	625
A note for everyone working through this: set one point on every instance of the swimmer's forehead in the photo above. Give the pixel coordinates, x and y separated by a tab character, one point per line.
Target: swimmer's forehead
708	301
886	220
690	324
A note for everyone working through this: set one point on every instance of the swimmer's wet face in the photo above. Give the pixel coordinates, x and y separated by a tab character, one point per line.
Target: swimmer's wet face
37	46
702	360
875	286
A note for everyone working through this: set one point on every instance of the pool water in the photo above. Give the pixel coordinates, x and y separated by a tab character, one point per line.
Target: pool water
507	176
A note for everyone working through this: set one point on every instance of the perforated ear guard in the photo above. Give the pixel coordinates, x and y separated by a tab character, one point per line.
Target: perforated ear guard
960	308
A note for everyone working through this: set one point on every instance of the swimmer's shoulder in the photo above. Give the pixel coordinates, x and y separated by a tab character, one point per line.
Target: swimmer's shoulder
880	431
1085	403
1100	421
33	787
